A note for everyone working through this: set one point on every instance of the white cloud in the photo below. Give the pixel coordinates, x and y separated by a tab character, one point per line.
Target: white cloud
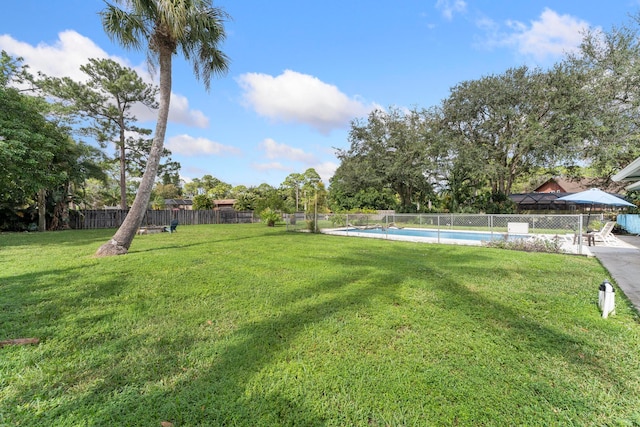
326	171
61	59
551	36
270	166
449	7
190	146
276	150
296	97
487	25
64	57
179	112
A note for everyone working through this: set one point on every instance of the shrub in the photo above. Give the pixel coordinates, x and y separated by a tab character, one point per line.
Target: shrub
595	225
311	225
270	217
202	202
528	245
338	220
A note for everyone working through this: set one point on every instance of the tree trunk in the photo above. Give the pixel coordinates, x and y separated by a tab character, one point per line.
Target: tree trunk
42	210
123	171
65	208
121	241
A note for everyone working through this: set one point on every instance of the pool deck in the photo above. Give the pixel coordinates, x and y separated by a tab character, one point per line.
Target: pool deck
405	238
566	243
621	260
623	263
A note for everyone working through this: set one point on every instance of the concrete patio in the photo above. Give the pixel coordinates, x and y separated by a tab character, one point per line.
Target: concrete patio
623	263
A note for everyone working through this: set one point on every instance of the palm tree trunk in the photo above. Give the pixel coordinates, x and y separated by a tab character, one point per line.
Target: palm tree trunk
123	170
121	241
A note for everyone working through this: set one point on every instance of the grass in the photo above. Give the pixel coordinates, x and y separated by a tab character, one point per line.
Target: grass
247	325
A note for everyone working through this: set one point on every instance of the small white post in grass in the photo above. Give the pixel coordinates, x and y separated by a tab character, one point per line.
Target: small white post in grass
607	299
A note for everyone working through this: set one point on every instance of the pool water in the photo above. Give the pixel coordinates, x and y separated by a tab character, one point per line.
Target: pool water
454	235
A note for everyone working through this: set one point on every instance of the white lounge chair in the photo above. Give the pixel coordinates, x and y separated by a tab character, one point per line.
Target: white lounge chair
605	234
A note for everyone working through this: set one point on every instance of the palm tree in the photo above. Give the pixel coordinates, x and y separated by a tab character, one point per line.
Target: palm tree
162	28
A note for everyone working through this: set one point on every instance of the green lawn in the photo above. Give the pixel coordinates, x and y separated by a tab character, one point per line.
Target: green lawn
245	325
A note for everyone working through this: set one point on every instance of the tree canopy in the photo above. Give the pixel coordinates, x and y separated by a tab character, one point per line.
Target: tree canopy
392	150
489	135
106	100
610	62
38	155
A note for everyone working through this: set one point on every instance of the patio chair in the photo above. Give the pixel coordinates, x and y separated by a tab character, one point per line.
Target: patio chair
588	237
171	228
605	234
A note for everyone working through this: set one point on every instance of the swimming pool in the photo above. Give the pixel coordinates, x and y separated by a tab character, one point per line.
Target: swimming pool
468	236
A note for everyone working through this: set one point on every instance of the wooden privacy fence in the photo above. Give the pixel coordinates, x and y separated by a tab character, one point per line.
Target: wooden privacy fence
113	218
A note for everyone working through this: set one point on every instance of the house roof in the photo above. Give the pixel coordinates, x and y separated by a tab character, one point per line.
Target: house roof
178	202
566	185
537	198
630	173
574	186
225	201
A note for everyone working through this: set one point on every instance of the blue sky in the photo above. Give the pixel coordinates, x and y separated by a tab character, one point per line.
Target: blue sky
301	70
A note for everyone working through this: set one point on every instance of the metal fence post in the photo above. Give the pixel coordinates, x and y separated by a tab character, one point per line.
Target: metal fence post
580	235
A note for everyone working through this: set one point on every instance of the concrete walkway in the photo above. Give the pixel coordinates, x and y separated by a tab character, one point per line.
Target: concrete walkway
623	263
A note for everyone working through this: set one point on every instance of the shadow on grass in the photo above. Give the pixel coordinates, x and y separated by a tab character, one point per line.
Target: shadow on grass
45	295
136	392
216	395
164	247
542	387
69	238
79	238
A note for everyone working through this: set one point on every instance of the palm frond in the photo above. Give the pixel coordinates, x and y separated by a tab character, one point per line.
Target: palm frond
200	44
194	27
125	28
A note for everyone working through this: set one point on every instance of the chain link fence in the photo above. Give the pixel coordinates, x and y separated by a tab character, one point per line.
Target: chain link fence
569	228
